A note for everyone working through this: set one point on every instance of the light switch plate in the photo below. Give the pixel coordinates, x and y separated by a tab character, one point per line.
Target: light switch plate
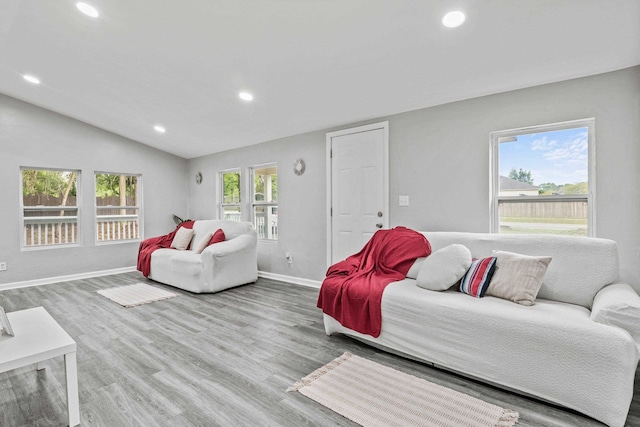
403	201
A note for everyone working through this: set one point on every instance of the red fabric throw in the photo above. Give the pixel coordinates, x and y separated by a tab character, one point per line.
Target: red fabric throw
352	291
147	246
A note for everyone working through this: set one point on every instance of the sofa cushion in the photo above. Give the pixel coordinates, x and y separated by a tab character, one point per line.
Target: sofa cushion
517	277
477	278
443	268
182	239
186	263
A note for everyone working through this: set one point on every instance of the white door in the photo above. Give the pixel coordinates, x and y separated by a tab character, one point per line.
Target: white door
358	184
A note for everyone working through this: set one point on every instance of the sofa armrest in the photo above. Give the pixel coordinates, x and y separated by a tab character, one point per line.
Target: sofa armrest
618	305
230	247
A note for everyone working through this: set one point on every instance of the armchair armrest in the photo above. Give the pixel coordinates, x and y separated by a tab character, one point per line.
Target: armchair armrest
618	305
230	263
229	247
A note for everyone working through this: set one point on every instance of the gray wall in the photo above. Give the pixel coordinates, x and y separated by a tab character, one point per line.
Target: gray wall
301	200
34	137
439	157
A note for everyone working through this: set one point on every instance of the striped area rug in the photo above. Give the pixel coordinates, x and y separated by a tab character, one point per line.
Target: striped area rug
138	294
371	394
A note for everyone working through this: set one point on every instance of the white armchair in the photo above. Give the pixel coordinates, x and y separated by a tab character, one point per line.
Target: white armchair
220	266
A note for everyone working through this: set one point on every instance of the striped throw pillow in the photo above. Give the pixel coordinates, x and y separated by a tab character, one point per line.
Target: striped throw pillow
476	280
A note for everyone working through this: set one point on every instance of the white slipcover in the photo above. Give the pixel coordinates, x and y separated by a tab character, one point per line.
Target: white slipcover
220	266
552	350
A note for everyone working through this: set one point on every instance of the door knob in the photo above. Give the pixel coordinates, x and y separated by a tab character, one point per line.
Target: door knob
379	225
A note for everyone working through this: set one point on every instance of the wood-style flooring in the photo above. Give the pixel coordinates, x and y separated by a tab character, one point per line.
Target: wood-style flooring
221	359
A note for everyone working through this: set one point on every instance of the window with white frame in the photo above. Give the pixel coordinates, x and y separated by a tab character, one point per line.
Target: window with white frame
50	212
543	179
264	198
230	203
117	207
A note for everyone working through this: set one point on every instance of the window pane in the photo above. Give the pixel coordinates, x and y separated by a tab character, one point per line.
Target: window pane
542	175
266	221
117	210
544	163
544	217
231	213
265	182
50	209
231	187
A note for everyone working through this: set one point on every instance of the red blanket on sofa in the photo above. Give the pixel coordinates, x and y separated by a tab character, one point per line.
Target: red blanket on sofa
352	291
149	245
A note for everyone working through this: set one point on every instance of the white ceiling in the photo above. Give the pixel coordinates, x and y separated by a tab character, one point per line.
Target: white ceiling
311	64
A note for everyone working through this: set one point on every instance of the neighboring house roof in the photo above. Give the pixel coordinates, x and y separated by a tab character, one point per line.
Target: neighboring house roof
509	184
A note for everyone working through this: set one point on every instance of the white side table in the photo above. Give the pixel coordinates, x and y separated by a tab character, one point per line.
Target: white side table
38	337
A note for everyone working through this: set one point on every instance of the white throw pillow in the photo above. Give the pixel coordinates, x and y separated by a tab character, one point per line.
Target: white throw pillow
443	268
199	247
182	238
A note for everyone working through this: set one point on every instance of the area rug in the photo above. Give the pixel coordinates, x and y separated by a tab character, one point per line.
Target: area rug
371	394
138	294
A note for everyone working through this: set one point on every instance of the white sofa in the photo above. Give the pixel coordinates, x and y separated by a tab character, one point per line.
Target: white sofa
220	266
577	346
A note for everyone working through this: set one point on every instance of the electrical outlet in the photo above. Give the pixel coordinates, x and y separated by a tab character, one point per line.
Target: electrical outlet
3	266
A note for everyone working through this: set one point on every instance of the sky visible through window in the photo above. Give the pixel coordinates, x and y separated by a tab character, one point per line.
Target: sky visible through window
559	157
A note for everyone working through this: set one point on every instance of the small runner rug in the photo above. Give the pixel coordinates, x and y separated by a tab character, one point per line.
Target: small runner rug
371	394
138	294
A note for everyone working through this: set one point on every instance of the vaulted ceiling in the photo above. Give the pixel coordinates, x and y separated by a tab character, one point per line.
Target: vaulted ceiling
310	64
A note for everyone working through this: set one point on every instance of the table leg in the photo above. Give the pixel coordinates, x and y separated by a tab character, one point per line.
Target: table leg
73	403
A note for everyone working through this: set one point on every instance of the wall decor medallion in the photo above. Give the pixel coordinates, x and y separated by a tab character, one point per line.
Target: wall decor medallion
198	177
298	167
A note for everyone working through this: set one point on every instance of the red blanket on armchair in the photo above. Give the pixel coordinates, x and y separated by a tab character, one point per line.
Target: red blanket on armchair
149	245
352	291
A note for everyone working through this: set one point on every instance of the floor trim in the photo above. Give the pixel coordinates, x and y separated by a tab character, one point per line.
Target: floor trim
58	279
290	279
50	280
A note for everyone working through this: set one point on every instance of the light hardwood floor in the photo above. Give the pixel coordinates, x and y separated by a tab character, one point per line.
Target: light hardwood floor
221	359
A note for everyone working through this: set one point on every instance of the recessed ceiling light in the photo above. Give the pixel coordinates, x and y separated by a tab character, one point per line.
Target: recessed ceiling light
453	19
87	9
245	96
159	129
31	79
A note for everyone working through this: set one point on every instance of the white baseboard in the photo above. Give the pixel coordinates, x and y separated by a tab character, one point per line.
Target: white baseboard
49	280
290	279
58	279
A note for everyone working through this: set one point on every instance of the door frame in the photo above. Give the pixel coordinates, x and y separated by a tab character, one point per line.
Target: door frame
385	172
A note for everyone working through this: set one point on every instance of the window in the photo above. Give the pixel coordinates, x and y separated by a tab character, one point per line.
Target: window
265	200
230	204
50	209
117	207
543	179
